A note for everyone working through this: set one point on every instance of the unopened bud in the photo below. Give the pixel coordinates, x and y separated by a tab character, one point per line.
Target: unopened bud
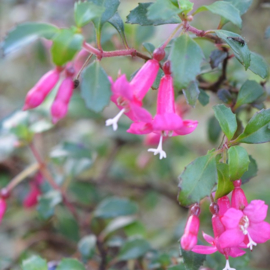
167	67
239	200
189	239
159	54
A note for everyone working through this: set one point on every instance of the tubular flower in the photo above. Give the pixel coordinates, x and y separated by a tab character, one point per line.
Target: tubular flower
239	200
43	87
224	205
128	96
32	197
246	226
166	121
3	208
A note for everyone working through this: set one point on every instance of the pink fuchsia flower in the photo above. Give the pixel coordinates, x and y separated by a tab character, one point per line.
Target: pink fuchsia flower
39	92
239	200
3	208
224	205
128	96
59	107
32	197
246	226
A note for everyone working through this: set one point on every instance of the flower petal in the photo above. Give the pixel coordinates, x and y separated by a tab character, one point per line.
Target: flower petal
231	218
188	127
231	238
256	211
140	128
167	121
204	249
259	232
138	114
208	238
121	87
236	252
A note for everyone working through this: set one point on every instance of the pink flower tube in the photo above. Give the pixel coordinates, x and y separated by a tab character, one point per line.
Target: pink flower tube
32	197
239	200
40	91
60	105
189	239
3	208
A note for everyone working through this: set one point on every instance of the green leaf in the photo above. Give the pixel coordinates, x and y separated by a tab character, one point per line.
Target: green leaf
139	16
217	57
65	45
95	87
225	10
109	7
257	129
133	248
203	97
192	260
186	57
213	129
185	5
84	12
115	207
177	267
87	246
241	5
70	264
118	24
240	50
238	161
225	185
117	224
162	10
26	33
34	263
226	119
258	65
267	32
249	92
225	96
251	172
47	202
197	180
192	93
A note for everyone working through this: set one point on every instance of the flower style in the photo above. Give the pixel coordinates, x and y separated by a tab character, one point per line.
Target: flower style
246	226
128	96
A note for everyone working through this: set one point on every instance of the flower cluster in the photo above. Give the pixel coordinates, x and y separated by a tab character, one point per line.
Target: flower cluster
237	225
128	97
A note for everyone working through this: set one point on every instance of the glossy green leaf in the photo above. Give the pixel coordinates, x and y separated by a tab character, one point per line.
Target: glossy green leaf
238	161
162	10
249	92
65	45
95	87
267	32
225	185
192	93
70	264
251	172
26	33
115	207
203	97
47	202
185	5
213	129
257	129
192	260
225	96
109	7
133	248
258	65
240	50
241	5
197	180
225	10
87	246
226	119
217	57
84	12
186	57
34	263
139	16
118	24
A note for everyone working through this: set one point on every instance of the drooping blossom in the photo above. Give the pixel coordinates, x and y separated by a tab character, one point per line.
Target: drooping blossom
128	96
40	91
218	229
59	107
246	226
189	238
32	197
239	200
166	122
3	208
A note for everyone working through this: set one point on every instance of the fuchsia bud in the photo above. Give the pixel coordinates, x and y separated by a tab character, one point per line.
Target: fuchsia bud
189	239
3	207
32	198
224	205
159	54
239	200
60	105
43	87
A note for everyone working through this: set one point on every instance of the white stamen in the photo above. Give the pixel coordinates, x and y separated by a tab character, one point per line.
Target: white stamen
244	228
113	121
158	150
227	266
251	242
